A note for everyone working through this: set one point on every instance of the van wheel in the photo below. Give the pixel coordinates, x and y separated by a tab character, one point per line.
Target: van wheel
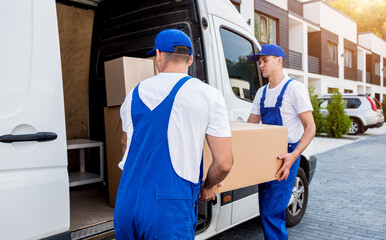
299	199
355	128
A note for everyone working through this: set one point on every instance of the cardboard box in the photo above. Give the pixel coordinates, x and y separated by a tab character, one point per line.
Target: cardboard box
123	74
255	149
113	131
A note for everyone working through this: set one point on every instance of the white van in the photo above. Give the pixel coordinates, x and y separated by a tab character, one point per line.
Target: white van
34	178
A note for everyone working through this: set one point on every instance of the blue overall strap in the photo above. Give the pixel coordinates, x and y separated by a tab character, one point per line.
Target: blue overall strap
177	86
262	99
142	109
280	97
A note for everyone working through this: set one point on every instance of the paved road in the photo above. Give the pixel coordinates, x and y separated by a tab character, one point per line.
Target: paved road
347	197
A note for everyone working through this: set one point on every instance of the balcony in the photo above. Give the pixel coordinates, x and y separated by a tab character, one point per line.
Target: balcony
368	78
359	76
313	64
295	60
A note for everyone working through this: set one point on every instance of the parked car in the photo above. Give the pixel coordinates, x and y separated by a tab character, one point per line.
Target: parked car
366	112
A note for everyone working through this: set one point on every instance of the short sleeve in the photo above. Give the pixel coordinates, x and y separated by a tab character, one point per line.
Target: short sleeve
219	119
125	112
300	98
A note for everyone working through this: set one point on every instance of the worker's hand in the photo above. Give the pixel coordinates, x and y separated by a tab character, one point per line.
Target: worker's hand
288	160
209	194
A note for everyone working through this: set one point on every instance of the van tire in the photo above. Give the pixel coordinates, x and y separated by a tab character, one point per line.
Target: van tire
295	210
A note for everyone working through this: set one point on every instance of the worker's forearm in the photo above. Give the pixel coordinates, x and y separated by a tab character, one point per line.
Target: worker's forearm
215	175
308	135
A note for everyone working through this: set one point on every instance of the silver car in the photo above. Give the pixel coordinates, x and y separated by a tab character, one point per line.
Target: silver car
366	112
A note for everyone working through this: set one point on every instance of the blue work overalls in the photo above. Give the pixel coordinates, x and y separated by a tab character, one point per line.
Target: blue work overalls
153	202
274	196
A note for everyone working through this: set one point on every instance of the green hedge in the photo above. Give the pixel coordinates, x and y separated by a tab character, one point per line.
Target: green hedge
337	122
318	117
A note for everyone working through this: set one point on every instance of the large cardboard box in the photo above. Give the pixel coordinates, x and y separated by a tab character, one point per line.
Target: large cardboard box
113	131
123	74
255	149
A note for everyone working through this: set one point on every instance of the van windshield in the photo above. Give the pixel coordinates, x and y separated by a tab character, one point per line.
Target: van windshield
242	72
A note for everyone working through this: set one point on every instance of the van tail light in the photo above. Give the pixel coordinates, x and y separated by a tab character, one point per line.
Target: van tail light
380	105
373	106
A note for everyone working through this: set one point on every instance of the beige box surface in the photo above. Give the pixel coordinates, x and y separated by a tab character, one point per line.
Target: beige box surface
255	149
113	131
123	74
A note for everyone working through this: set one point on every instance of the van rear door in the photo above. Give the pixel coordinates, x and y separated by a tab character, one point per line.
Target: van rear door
34	192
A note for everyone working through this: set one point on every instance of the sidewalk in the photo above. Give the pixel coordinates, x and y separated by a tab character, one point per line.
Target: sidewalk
323	144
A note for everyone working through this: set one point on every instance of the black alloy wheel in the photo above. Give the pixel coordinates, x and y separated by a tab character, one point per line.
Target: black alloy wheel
299	199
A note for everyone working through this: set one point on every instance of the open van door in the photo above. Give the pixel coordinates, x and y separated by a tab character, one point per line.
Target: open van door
234	47
34	191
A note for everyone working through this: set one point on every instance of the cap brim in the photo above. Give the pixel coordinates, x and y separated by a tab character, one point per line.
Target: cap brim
151	53
255	57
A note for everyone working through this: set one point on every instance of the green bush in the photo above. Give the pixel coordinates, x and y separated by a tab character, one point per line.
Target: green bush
384	105
337	122
318	117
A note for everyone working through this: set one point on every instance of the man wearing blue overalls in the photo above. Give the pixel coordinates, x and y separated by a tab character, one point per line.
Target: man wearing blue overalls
285	102
165	120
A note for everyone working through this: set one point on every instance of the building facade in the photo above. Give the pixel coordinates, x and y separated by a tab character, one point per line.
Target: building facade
322	45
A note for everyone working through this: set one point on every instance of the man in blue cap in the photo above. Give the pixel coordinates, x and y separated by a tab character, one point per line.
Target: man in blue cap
285	102
165	120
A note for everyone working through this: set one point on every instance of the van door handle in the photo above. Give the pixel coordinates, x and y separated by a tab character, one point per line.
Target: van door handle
40	137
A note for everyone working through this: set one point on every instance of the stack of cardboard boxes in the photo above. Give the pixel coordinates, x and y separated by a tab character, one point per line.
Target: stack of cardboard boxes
255	146
122	75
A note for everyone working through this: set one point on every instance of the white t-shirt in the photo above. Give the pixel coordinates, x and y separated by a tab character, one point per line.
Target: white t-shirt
198	109
295	101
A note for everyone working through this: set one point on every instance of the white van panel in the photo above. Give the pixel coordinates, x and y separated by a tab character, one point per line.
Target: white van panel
15	62
245	208
34	193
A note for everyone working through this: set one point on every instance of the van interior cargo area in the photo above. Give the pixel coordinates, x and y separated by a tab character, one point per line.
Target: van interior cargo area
89	36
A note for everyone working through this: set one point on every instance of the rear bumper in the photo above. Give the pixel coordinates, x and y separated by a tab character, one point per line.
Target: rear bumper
312	162
377	125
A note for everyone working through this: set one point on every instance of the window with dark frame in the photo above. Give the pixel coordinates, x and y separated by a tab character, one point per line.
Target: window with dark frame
348	58
332	50
243	73
331	90
377	68
265	28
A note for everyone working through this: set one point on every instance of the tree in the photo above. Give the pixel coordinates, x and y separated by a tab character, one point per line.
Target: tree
369	15
318	117
337	122
384	105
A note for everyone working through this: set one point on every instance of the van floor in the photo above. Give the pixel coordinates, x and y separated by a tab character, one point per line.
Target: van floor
89	205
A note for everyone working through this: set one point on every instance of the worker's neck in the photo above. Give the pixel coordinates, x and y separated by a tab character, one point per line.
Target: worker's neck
176	68
275	79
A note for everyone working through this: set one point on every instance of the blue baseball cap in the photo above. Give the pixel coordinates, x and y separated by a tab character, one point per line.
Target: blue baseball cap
167	41
268	50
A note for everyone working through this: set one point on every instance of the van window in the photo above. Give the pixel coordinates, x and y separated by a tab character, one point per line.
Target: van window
352	103
15	54
241	70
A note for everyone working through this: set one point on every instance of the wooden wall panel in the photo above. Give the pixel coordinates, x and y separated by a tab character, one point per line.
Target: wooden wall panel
351	73
327	68
75	31
281	15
